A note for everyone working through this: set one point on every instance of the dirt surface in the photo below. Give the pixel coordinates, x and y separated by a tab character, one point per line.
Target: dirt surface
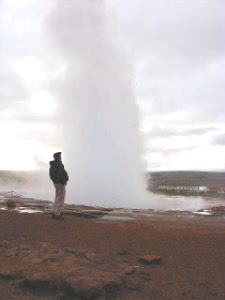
91	258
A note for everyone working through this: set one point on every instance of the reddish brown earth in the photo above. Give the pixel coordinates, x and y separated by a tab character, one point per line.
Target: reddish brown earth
80	258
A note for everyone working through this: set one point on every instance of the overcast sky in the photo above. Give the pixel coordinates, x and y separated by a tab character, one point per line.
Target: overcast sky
176	50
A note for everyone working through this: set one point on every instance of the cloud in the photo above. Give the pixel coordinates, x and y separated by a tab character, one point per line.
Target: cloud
178	48
194	98
154	131
12	89
174	35
198	131
170	150
219	140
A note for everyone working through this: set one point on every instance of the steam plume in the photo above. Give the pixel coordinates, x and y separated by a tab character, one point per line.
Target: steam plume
99	115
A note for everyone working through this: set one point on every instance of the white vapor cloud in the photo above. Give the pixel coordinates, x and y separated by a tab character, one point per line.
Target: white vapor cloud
176	50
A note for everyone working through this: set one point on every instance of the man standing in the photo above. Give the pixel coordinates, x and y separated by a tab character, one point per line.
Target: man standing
59	177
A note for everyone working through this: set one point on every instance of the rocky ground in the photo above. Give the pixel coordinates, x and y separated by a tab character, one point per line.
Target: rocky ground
99	253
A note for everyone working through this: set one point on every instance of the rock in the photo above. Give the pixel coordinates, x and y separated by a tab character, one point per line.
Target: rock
72	271
132	283
10	203
70	250
218	210
150	259
112	284
41	280
82	287
90	283
122	252
144	273
10	274
128	270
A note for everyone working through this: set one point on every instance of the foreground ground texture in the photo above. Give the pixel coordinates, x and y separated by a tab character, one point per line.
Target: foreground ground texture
93	258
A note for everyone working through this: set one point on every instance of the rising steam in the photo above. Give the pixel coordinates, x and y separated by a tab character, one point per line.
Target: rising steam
101	141
98	111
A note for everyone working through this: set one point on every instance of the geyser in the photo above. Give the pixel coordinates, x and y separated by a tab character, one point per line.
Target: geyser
101	143
98	112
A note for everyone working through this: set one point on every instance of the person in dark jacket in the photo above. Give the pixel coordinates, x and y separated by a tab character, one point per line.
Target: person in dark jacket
60	178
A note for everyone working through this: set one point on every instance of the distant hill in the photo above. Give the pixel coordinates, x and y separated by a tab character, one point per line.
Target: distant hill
212	180
189	174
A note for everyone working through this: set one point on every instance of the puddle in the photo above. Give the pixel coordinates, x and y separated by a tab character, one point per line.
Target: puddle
203	213
27	210
117	218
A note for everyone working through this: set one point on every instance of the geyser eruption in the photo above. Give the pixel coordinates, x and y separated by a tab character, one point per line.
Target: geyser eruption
101	142
99	115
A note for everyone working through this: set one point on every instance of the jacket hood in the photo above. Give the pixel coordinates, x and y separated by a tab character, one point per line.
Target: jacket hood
53	163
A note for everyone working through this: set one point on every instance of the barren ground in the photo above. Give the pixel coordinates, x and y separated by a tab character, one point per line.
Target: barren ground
88	258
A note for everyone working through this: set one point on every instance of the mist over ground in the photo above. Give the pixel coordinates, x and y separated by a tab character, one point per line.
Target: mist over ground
30	184
37	185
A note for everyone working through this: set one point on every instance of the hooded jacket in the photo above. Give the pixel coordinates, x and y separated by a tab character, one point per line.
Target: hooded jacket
57	172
